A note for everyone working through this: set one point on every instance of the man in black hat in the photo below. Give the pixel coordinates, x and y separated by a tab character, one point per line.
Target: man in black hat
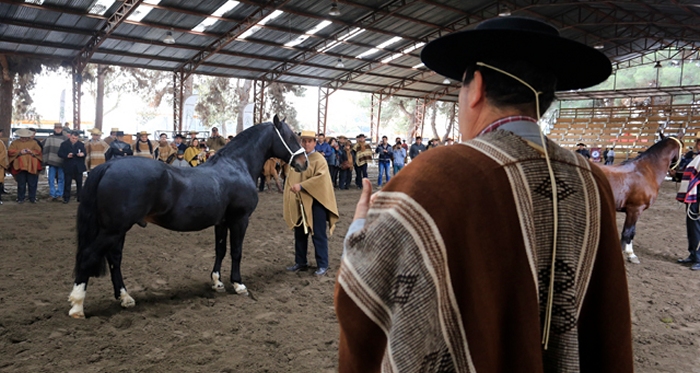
118	148
581	149
179	142
500	254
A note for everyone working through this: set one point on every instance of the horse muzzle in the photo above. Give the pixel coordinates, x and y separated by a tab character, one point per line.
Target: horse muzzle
300	162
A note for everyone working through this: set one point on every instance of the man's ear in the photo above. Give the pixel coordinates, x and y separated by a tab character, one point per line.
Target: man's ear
476	90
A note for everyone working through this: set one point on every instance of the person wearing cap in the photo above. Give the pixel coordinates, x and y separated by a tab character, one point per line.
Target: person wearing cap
55	163
309	203
215	141
462	263
179	160
73	153
363	155
143	147
95	150
178	141
416	148
112	135
399	158
581	149
24	157
4	165
164	152
118	148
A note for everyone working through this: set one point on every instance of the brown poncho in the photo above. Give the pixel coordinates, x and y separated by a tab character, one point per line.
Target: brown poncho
316	184
24	162
4	164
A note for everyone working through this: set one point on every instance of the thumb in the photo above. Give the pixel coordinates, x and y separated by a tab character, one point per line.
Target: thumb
364	202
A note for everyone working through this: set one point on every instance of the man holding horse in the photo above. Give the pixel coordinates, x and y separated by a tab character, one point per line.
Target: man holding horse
309	203
499	254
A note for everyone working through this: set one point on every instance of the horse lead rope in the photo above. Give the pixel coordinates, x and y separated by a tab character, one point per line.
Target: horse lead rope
555	208
680	151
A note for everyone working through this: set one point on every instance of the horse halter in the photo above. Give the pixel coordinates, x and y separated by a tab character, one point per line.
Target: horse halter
293	154
680	152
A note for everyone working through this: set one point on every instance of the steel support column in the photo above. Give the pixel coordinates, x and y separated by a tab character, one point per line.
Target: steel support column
258	101
178	99
77	93
376	107
323	93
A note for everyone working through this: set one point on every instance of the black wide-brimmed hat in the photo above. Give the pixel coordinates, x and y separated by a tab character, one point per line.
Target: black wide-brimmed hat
574	64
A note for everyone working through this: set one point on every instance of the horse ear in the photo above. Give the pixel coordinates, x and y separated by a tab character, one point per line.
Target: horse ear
681	133
661	135
278	123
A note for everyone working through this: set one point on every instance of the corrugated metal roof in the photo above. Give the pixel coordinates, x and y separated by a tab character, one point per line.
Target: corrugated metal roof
61	29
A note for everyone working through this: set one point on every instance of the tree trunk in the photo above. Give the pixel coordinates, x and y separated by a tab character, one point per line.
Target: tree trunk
243	94
450	122
6	106
100	96
433	121
411	117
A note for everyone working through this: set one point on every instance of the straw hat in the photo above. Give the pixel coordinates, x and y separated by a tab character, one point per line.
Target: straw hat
23	132
308	134
143	133
193	132
96	131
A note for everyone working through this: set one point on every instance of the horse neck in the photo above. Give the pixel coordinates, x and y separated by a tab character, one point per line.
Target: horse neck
660	164
252	150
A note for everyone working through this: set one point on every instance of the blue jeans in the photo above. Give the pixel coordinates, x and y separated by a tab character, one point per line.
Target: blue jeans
56	191
320	238
384	168
397	169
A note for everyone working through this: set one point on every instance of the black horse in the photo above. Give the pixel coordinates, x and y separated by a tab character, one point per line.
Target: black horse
135	190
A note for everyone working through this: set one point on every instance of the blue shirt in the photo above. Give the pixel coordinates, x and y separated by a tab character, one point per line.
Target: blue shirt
324	148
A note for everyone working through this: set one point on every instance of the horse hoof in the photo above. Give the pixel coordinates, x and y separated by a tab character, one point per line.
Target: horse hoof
633	259
126	300
76	315
240	289
219	288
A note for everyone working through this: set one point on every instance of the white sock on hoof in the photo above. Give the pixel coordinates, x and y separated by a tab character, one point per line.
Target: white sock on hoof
217	285
76	298
240	288
126	300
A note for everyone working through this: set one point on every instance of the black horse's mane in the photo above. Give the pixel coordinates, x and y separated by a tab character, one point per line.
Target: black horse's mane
246	137
653	153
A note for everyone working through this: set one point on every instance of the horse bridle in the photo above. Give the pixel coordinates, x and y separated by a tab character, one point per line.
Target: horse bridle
293	154
680	152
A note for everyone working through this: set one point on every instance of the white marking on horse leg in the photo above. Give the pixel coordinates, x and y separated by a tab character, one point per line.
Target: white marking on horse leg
217	285
631	257
77	298
126	300
240	288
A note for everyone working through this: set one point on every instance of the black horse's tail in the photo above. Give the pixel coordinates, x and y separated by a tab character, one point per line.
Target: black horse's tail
90	260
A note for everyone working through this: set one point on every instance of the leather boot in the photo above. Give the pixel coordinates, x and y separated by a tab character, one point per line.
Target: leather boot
2	189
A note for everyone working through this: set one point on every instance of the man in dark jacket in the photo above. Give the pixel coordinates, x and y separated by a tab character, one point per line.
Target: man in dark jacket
118	148
73	153
385	156
416	148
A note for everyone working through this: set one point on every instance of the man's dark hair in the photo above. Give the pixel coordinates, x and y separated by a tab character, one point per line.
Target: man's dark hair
502	90
384	137
321	134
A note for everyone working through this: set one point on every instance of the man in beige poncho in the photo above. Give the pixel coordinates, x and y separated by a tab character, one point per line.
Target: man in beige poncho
309	202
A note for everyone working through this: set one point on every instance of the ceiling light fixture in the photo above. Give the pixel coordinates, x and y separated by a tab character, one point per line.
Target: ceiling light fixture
340	63
505	12
169	39
446	81
657	65
334	10
599	46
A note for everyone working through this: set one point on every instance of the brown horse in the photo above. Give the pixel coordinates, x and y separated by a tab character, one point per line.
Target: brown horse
271	171
635	183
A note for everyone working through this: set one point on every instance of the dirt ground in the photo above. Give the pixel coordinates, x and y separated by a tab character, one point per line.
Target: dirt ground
288	325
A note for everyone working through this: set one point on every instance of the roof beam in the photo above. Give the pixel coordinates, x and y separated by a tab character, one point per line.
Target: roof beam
124	10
